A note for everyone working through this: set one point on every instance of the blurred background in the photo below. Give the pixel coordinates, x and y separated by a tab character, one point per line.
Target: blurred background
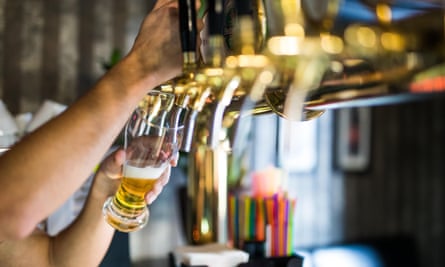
57	49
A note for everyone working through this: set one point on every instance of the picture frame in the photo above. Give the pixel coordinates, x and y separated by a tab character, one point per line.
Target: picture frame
353	139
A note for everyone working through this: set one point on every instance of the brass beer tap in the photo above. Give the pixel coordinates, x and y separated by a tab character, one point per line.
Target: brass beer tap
295	58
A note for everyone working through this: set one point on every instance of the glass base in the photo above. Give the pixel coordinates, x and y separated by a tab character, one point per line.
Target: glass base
121	221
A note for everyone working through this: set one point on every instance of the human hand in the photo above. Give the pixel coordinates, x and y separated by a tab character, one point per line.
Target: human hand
108	176
157	46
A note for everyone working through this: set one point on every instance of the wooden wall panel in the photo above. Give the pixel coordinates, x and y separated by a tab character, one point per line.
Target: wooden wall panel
69	52
118	22
53	49
12	47
403	190
103	35
2	37
31	54
85	46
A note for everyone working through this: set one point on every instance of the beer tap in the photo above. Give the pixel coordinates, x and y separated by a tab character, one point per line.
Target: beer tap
254	68
207	183
309	59
183	85
300	45
218	82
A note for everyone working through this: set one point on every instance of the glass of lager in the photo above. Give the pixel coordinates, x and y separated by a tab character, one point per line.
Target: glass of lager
152	139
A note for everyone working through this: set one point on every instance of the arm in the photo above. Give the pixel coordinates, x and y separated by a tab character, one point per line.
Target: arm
39	173
83	243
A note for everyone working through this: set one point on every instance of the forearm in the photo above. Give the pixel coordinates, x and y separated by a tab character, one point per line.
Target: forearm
86	241
47	166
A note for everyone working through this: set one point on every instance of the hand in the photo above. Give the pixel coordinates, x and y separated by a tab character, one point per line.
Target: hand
108	176
162	181
157	46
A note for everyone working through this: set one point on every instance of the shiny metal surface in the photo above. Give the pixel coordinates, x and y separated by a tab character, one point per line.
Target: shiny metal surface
298	58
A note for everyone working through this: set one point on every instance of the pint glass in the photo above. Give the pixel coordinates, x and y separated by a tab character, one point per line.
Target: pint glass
151	140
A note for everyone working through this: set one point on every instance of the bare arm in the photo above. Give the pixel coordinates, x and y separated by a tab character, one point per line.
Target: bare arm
45	168
85	242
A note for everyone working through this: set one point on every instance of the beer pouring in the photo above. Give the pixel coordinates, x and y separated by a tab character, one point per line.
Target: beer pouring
184	85
295	58
238	79
150	143
252	71
207	177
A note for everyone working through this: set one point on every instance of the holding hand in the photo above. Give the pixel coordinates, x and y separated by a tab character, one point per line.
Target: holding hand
108	177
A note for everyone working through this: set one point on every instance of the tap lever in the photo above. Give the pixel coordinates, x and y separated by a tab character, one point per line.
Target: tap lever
187	25
243	7
216	17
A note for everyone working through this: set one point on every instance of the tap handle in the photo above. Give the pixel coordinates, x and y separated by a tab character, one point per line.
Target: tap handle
243	7
215	17
187	25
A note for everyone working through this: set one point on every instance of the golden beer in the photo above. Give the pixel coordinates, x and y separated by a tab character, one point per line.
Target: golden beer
135	184
153	135
130	197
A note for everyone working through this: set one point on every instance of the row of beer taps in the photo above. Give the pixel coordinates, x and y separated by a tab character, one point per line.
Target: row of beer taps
299	57
294	58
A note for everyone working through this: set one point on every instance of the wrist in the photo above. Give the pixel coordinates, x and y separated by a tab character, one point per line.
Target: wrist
130	79
135	72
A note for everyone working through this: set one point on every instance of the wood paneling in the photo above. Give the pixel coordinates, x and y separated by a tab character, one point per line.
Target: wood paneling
53	49
12	48
85	46
403	190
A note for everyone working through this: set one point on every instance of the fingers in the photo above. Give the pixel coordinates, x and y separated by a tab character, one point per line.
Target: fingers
165	176
174	160
159	185
154	193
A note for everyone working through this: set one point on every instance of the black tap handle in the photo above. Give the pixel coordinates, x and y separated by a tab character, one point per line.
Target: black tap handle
243	7
187	25
215	17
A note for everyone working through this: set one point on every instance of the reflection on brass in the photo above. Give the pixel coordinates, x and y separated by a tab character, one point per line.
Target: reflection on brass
298	58
207	195
396	47
277	98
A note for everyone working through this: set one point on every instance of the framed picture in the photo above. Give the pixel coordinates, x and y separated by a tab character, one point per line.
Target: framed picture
353	139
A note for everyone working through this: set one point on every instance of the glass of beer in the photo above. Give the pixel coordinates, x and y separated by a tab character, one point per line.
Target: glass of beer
151	140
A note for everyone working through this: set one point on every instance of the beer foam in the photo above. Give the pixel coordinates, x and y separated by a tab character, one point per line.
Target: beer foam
144	173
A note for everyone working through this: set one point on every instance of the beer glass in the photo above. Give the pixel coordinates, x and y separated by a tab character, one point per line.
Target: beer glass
150	143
